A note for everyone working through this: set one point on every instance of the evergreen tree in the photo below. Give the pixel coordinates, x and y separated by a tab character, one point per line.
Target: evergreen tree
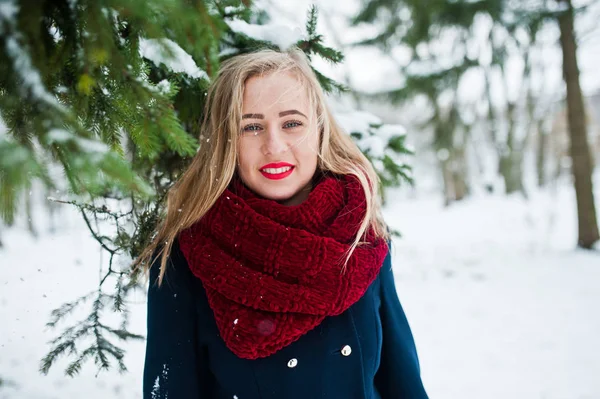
112	92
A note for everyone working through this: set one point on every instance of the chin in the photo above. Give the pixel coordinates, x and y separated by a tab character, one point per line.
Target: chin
278	195
280	191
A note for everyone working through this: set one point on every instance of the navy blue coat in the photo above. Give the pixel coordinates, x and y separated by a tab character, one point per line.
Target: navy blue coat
187	359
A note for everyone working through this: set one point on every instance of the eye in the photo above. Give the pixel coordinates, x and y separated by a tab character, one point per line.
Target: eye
253	127
292	124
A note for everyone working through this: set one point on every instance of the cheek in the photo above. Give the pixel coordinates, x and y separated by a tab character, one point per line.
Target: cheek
246	154
307	150
309	143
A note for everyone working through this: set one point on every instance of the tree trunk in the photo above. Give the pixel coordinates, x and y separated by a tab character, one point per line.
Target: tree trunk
542	149
510	169
579	148
454	174
511	157
448	182
459	173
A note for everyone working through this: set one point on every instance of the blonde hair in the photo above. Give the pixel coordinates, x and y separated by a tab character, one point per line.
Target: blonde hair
213	167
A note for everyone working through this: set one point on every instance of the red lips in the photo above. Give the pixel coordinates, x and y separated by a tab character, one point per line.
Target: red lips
277	165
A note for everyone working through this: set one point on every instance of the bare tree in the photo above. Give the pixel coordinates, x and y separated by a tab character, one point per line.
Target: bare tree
582	166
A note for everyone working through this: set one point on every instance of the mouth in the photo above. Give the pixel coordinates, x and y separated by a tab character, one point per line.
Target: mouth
277	171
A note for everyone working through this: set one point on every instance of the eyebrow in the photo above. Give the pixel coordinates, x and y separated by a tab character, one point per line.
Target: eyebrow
281	114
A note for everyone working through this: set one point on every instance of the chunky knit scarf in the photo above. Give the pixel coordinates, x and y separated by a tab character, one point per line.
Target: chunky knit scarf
273	272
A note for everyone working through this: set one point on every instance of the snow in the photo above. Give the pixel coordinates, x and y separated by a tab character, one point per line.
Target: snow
87	145
227	51
30	76
31	79
8	10
155	388
356	121
59	135
374	136
233	9
155	394
373	145
167	52
500	303
37	276
390	130
278	34
164	87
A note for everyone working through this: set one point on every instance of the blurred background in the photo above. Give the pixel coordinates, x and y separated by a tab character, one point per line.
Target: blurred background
482	119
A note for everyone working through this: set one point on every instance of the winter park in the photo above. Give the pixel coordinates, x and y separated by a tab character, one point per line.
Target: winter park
479	120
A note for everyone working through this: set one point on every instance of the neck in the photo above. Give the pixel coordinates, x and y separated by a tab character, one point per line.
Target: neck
302	195
299	197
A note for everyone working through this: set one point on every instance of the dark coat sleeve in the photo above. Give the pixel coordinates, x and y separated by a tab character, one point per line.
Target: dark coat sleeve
399	375
176	364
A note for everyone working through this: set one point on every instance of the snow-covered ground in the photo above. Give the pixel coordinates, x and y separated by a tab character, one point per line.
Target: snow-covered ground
501	304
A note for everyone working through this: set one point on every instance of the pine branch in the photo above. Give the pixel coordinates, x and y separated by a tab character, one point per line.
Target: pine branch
121	333
101	350
313	45
65	309
311	22
330	85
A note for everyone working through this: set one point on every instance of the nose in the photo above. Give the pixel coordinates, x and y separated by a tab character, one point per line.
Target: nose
274	142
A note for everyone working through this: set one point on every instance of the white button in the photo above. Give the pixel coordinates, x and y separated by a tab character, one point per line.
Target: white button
292	363
346	350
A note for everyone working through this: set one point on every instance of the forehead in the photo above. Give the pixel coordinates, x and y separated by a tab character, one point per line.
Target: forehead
274	92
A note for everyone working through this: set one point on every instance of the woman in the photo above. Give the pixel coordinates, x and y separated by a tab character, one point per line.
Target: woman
273	275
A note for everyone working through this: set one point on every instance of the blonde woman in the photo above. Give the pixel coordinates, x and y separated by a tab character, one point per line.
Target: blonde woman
270	276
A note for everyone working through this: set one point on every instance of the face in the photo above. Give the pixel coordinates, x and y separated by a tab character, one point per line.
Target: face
278	142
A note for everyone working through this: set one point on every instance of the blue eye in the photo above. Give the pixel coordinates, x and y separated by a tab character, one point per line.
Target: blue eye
292	124
251	128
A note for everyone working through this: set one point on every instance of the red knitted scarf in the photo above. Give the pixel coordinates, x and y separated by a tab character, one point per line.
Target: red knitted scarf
273	272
